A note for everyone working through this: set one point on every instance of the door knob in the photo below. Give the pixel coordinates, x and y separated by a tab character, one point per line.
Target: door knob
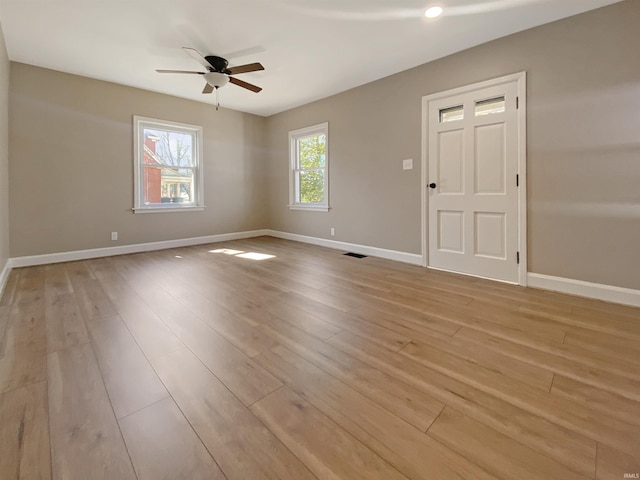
432	185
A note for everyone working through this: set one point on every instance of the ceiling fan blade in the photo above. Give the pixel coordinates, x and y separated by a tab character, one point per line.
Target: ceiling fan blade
208	88
197	56
243	84
180	71
250	67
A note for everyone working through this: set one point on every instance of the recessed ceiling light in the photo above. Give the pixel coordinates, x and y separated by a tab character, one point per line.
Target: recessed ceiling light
433	12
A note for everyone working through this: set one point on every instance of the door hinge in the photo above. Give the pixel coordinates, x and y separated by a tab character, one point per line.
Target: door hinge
517	102
517	180
518	258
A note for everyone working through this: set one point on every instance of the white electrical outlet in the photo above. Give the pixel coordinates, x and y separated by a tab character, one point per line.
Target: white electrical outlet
407	164
114	235
333	232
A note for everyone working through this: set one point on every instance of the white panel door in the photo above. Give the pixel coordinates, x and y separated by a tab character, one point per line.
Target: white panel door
473	195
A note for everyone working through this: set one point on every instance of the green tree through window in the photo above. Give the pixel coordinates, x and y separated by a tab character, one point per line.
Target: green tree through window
312	158
309	168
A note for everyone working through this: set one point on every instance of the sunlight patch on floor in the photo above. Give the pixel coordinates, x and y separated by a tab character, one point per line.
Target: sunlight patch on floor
242	254
255	256
226	251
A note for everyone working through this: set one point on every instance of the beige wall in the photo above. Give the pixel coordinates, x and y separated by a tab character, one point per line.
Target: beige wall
4	155
583	147
71	154
72	165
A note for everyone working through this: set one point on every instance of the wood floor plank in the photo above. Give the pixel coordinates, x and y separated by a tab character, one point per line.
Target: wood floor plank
241	445
324	447
607	323
494	359
245	337
23	347
244	377
312	278
494	451
500	322
131	382
112	283
311	323
9	288
92	299
153	336
326	297
622	366
26	322
406	296
610	431
247	309
4	323
403	400
454	316
468	369
522	383
558	442
274	281
22	364
405	447
512	296
65	326
595	309
238	273
411	321
163	446
240	374
392	298
391	338
605	380
618	346
24	433
607	403
30	286
57	284
85	439
613	465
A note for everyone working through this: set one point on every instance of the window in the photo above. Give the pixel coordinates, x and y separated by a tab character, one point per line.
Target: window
168	168
491	106
452	114
309	171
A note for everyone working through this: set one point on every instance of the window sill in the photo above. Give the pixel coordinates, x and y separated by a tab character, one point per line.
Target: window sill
312	208
172	209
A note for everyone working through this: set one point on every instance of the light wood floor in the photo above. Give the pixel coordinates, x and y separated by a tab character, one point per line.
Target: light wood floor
195	364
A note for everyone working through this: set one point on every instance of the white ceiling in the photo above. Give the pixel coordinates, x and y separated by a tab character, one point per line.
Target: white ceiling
310	48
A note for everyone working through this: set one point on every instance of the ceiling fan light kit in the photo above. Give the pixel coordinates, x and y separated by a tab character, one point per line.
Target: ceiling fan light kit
216	79
218	73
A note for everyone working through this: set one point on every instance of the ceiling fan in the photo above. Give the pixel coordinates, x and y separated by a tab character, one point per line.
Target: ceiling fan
218	72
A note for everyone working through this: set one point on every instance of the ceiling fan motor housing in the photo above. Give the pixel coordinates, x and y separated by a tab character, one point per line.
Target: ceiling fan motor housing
218	64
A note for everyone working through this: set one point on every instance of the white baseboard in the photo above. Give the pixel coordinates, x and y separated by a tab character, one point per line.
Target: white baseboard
412	258
608	293
125	249
4	276
626	296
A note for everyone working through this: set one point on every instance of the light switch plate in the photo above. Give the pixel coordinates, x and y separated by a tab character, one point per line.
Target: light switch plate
407	164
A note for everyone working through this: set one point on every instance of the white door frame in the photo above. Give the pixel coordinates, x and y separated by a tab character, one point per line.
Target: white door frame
521	80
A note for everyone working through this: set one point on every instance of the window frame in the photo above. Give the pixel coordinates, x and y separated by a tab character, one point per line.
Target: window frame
294	183
139	124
